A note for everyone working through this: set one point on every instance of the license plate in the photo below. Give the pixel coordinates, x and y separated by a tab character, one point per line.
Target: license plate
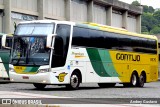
25	77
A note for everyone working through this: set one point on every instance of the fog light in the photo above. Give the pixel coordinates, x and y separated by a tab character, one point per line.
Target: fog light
12	79
44	81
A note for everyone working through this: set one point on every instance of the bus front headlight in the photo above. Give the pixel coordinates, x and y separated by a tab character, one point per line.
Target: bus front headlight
11	70
43	70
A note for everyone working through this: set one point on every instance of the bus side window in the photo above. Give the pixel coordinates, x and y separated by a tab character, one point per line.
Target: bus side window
8	42
0	43
61	45
58	46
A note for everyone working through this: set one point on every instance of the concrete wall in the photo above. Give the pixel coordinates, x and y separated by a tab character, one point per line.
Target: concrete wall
132	23
24	6
117	19
98	11
99	14
1	2
79	11
55	9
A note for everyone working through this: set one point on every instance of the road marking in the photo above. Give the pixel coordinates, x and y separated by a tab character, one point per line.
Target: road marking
6	94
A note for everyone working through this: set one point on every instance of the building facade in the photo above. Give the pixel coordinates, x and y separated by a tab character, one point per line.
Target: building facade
108	12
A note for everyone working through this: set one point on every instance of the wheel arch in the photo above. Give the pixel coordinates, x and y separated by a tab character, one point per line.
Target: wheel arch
79	73
135	71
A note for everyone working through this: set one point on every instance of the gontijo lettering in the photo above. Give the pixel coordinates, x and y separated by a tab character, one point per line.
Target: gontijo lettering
127	57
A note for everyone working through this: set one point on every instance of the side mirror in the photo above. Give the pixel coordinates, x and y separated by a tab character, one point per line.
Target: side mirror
50	38
4	37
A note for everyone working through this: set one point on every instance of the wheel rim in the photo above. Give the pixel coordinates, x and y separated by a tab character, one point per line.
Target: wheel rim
134	80
74	81
141	80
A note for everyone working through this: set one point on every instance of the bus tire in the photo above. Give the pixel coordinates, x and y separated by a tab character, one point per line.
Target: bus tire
39	85
105	85
141	80
74	81
134	80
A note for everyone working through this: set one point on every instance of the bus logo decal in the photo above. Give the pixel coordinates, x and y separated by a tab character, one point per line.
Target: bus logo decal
78	55
61	76
127	57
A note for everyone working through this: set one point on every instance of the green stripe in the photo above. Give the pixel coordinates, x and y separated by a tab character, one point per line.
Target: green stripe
102	62
31	69
5	59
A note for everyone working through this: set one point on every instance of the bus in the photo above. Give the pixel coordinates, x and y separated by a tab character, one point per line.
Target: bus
4	57
66	53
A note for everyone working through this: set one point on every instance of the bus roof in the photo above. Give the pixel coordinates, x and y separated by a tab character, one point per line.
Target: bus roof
95	26
113	29
48	21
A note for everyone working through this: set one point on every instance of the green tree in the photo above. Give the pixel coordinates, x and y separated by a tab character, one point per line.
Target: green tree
135	3
144	29
150	9
145	8
156	15
155	30
149	21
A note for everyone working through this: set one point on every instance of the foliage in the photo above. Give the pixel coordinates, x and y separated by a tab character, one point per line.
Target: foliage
148	9
156	15
150	19
155	30
135	3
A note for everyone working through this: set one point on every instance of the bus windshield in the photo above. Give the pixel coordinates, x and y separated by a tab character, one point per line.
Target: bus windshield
30	51
35	29
29	44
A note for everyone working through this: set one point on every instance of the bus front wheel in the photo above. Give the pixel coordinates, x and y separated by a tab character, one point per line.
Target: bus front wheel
39	86
74	81
134	80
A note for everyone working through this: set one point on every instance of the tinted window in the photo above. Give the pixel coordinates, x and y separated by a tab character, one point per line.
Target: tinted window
0	43
95	38
80	37
8	43
61	45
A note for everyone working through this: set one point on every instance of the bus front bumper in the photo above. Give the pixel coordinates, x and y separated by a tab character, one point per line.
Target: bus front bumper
30	78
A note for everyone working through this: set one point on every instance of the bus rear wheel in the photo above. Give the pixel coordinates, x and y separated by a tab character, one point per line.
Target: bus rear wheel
39	85
74	81
141	80
105	85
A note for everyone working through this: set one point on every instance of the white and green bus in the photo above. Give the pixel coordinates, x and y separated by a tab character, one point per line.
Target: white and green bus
48	52
4	56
